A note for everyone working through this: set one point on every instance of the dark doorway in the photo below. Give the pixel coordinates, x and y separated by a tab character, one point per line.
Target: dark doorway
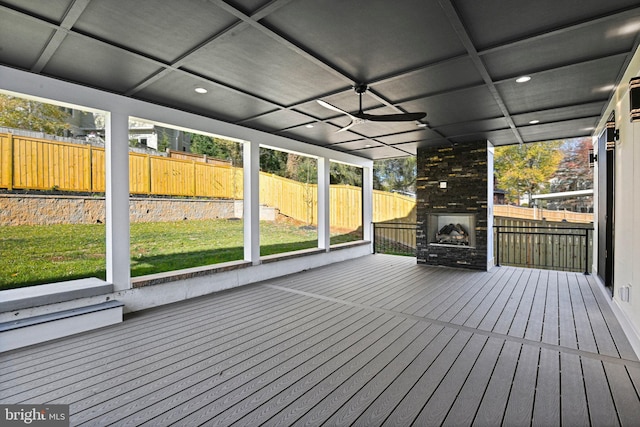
606	174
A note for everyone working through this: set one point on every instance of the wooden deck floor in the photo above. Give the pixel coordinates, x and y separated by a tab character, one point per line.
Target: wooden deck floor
373	341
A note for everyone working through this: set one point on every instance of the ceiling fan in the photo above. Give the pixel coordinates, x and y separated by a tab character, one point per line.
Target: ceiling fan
362	117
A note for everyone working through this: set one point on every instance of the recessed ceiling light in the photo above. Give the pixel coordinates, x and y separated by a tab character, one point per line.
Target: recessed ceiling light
368	146
422	125
604	89
523	79
534	122
309	126
201	90
630	28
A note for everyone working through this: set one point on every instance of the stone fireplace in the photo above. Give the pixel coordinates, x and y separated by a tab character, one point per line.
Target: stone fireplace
454	205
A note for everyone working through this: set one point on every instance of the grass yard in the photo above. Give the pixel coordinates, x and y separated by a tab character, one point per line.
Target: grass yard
31	255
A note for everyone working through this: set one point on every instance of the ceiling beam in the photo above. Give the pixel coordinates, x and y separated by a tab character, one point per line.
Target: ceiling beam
284	42
70	18
461	31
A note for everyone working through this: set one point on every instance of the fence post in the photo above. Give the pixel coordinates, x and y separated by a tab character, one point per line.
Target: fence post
11	162
374	237
149	179
586	251
90	172
498	246
193	177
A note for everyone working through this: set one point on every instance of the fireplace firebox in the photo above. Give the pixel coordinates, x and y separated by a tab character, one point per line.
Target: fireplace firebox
451	229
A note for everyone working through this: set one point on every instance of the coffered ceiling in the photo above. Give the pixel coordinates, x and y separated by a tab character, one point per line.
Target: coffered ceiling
265	63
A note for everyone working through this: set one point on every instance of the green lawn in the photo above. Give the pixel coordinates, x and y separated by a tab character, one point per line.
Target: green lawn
31	255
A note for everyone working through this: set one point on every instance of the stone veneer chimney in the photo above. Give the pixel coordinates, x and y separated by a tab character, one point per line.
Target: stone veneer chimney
455	185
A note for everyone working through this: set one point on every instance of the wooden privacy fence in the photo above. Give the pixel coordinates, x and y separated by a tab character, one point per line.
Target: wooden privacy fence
542	244
535	214
28	163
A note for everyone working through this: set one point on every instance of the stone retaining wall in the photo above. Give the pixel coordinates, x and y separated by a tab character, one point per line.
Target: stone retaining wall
53	209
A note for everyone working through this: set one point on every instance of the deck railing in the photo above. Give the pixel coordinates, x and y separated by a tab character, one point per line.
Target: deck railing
555	248
397	238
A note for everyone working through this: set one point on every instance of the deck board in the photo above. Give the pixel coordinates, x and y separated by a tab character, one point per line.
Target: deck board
494	402
342	384
338	410
521	397
184	363
602	334
622	343
183	394
462	313
140	337
369	342
573	400
598	394
468	400
546	409
508	312
413	402
535	322
437	408
524	312
584	331
566	320
550	330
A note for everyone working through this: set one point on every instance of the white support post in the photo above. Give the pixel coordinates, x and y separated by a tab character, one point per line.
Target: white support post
118	263
251	204
324	210
367	203
490	242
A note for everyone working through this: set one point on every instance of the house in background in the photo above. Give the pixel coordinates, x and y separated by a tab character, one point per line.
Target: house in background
157	137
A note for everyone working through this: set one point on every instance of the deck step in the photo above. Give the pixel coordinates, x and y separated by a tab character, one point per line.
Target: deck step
36	329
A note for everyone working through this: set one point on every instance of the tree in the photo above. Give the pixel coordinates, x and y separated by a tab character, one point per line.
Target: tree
20	113
217	148
573	174
302	168
395	175
345	174
527	168
273	161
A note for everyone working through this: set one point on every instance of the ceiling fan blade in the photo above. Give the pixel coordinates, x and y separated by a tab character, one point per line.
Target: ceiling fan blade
347	127
332	107
406	117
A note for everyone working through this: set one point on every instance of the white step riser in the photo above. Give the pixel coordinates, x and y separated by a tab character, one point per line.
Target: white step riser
58	328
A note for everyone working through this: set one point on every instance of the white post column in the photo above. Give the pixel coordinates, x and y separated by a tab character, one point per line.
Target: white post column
117	200
490	155
367	203
251	203
324	209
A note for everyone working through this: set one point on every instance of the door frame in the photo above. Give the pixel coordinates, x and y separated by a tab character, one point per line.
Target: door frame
606	204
